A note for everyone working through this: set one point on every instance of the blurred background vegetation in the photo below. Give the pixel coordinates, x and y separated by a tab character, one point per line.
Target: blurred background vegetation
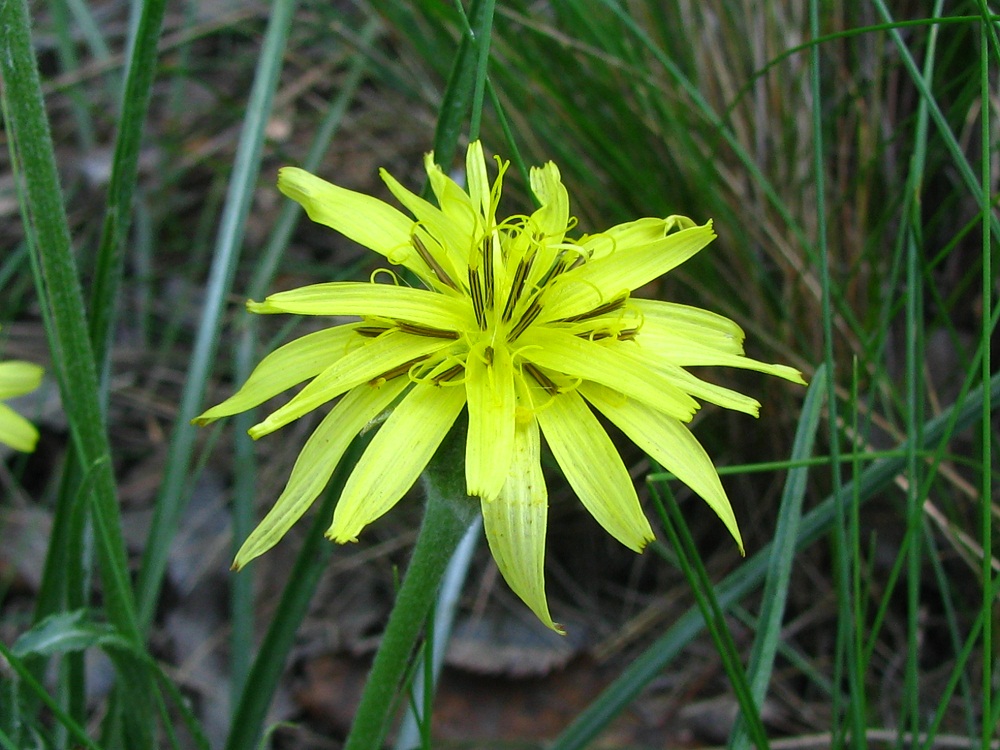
851	179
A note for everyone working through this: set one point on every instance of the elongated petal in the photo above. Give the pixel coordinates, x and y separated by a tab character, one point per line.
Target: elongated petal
553	216
660	344
316	463
630	234
454	202
489	383
477	178
395	457
286	366
614	365
712	393
363	299
669	442
362	218
690	321
515	524
629	267
18	378
594	469
16	431
372	360
454	244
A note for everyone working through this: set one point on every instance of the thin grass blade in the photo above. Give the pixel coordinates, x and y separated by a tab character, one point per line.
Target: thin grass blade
172	497
778	576
749	576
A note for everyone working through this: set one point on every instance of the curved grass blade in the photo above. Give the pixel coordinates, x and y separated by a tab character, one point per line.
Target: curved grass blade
241	596
749	576
124	170
778	575
172	497
58	288
248	719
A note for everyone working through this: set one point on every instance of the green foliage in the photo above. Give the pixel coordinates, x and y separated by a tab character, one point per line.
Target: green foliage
846	154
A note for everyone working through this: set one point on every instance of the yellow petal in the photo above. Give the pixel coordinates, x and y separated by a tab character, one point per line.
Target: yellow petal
477	178
515	524
670	443
316	463
395	457
611	363
489	384
365	299
638	232
661	344
690	323
372	360
286	366
454	202
362	218
629	267
449	246
594	469
16	431
713	394
18	378
552	218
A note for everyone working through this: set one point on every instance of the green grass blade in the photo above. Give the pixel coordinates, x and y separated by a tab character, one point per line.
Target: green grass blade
749	576
778	576
124	170
78	733
59	290
172	497
310	563
460	92
241	596
991	696
712	614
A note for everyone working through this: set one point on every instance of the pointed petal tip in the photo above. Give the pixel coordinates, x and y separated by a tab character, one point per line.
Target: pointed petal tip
339	537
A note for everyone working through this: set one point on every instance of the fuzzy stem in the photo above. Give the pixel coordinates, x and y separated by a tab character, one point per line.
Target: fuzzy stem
449	514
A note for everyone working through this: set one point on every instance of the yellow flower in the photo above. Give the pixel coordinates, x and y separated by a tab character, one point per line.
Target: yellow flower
526	328
16	379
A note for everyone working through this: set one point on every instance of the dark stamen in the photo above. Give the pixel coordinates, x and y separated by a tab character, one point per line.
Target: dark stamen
488	270
526	320
476	290
542	379
417	330
520	276
371	332
448	374
397	371
610	306
432	262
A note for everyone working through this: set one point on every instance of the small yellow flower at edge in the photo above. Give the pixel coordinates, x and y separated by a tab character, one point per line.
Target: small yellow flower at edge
16	379
528	329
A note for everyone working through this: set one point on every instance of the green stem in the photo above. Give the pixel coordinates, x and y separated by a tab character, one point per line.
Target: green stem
449	513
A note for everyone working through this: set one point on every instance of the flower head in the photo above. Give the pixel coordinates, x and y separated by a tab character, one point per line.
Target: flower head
16	379
529	330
